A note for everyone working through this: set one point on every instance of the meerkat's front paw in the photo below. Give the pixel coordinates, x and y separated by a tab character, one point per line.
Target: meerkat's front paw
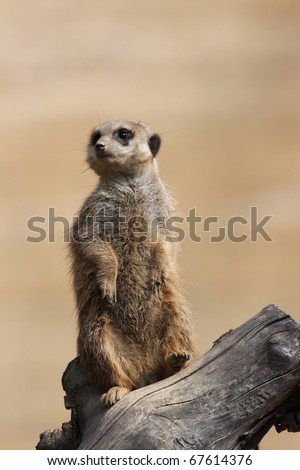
114	395
108	290
159	279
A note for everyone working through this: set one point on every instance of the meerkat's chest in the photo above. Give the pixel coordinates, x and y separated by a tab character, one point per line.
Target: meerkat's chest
131	217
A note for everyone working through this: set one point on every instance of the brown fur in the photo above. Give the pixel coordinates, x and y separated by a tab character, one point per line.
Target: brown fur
134	326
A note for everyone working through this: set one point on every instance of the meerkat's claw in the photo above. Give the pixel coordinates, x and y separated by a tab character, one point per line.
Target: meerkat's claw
114	395
156	286
178	359
159	281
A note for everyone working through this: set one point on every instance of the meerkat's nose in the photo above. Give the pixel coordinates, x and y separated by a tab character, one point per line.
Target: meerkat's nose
100	146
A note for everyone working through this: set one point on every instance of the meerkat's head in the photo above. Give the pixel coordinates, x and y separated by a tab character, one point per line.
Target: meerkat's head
126	147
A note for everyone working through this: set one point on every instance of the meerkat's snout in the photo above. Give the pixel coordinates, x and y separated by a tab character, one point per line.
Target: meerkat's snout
100	147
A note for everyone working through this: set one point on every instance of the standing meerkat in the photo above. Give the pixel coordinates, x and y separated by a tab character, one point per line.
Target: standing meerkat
133	323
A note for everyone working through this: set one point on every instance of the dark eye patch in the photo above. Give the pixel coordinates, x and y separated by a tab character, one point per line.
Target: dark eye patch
95	136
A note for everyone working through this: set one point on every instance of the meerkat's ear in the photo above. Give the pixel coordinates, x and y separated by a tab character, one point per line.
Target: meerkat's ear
154	144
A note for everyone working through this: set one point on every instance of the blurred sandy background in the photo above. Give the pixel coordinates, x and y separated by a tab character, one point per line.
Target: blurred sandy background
220	82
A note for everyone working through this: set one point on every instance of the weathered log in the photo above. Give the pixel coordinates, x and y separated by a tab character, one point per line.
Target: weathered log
247	382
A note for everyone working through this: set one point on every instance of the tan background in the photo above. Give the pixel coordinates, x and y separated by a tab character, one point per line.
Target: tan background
220	81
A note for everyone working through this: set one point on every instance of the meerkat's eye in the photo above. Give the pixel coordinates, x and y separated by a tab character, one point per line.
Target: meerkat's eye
95	136
125	134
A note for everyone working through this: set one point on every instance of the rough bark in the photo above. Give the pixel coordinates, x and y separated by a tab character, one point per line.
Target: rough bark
229	399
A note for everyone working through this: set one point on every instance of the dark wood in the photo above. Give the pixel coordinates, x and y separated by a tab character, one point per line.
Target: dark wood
229	399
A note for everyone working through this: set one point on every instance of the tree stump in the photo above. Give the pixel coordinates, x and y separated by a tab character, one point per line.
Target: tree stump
229	399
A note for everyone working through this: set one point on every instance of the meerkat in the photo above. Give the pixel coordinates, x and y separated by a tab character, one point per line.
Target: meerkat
134	327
